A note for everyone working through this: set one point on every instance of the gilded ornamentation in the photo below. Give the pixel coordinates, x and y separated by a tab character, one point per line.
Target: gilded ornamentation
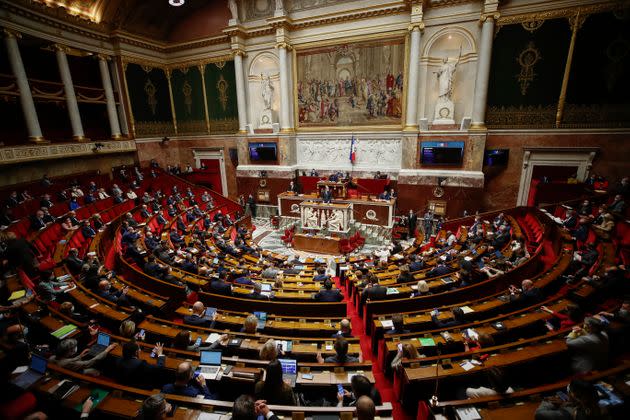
532	25
521	116
220	64
187	91
150	90
222	88
527	59
596	116
147	69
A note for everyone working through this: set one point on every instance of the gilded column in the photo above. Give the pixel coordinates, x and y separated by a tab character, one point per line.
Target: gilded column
576	23
112	113
71	98
483	72
285	105
170	95
202	70
240	91
26	98
411	119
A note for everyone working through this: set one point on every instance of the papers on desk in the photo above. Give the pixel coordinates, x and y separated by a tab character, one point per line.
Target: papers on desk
64	277
467	413
426	341
466	365
467	309
64	331
387	323
17	295
212	338
67	288
19	369
392	291
447	280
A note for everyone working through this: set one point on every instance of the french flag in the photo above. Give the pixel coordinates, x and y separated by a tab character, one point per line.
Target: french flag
353	150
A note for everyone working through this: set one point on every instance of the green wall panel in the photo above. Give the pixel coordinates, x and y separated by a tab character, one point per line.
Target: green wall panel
221	93
150	100
188	100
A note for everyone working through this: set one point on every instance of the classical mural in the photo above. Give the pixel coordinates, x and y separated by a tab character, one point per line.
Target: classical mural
351	84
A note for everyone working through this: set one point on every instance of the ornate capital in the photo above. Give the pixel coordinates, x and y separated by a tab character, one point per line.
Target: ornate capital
102	57
284	45
11	33
59	47
238	51
416	25
491	15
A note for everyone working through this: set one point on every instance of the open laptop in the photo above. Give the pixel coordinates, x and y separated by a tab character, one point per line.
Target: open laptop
33	373
102	341
210	363
262	319
289	371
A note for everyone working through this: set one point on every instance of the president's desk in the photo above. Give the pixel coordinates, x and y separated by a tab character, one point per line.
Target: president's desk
364	210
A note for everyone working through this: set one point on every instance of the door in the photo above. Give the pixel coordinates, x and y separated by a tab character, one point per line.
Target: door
211	176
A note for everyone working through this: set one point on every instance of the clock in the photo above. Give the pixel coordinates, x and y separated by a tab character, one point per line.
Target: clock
444	112
262	183
438	192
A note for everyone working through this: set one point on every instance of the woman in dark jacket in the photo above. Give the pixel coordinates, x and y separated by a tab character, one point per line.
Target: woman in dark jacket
273	389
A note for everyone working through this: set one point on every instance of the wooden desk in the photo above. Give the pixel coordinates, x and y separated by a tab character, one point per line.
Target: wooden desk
318	244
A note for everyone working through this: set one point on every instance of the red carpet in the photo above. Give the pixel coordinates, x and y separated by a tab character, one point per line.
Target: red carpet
383	384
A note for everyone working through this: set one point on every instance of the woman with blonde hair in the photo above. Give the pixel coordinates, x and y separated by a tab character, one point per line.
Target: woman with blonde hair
405	351
250	324
269	350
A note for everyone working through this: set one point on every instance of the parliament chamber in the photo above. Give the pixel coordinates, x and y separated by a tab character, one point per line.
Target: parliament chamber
315	209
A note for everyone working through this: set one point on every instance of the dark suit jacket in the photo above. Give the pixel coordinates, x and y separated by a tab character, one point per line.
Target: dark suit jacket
377	292
220	287
324	295
198	321
138	373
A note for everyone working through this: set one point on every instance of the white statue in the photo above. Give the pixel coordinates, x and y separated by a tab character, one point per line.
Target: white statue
266	90
279	5
233	9
335	220
311	218
445	77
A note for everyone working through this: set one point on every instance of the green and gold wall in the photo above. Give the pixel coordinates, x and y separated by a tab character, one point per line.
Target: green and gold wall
562	70
193	99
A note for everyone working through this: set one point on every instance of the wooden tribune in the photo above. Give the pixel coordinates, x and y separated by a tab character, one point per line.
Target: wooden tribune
318	244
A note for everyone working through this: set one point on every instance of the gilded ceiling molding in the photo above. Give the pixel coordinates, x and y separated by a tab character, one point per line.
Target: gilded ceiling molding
562	13
17	154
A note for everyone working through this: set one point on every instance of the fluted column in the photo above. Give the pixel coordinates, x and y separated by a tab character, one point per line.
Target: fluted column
112	113
240	91
483	73
411	119
285	105
71	98
26	98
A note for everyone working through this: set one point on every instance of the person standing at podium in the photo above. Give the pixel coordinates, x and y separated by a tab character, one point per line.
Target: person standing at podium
327	195
293	187
333	177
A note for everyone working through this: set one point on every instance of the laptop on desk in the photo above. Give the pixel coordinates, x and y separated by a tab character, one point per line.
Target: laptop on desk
102	341
36	370
262	319
210	363
289	371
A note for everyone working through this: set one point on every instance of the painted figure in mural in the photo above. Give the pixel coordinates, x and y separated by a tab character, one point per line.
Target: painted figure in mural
266	90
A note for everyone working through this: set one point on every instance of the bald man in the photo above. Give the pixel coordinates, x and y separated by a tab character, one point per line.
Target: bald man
365	408
187	384
345	329
199	318
527	295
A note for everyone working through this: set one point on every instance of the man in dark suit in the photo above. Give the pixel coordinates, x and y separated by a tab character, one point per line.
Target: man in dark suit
119	297
136	372
398	325
153	269
412	223
220	287
327	194
327	294
321	275
198	317
187	385
345	329
416	264
374	291
73	262
37	221
176	239
528	295
293	187
87	230
245	408
439	270
257	293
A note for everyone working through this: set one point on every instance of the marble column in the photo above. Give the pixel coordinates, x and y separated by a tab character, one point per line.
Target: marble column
26	98
483	73
112	113
71	99
285	105
411	119
240	91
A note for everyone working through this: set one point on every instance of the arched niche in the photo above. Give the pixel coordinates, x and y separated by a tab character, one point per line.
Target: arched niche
263	65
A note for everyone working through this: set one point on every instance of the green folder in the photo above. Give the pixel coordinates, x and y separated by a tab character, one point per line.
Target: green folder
97	395
64	331
426	342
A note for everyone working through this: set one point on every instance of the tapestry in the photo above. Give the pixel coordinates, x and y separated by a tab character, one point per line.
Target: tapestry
188	99
221	93
150	100
351	84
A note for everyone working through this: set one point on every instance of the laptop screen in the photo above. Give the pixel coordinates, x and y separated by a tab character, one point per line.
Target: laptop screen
210	312
288	366
210	358
38	363
265	287
262	316
103	339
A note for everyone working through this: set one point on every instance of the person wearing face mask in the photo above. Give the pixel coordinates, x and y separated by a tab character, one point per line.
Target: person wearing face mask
13	346
67	357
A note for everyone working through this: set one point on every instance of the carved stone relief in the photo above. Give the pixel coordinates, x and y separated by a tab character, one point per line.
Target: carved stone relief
370	153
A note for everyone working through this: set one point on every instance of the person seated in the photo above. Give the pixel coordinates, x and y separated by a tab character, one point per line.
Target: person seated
571	220
189	265
622	315
527	295
373	291
129	236
131	370
385	195
47	217
440	269
245	408
497	385
257	293
199	318
606	228
321	275
404	276
361	387
87	230
188	383
46	201
37	221
585	208
48	287
273	389
458	318
561	320
67	308
618	206
220	286
175	237
73	262
583	261
154	269
341	354
345	329
66	357
483	341
398	326
582	403
328	294
422	289
417	263
118	297
150	241
588	346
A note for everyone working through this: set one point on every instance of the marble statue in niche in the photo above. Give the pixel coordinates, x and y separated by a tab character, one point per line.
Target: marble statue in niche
266	91
233	10
444	108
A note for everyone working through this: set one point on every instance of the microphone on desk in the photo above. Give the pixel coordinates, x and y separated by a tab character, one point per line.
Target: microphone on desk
433	402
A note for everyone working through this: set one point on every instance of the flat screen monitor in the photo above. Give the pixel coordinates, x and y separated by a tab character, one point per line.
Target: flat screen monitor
263	152
496	157
446	153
